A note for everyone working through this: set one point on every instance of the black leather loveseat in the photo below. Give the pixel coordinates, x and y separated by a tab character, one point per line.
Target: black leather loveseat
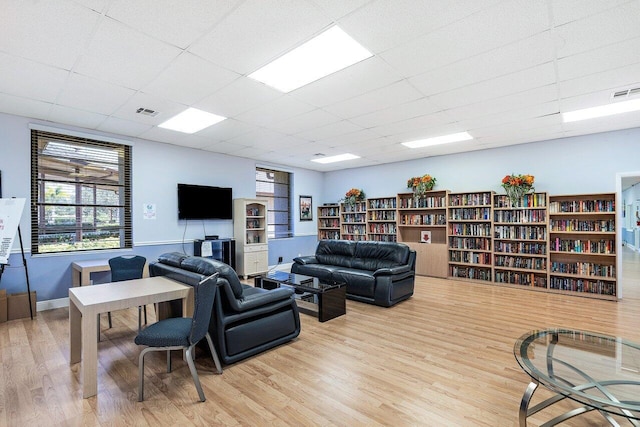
245	320
381	273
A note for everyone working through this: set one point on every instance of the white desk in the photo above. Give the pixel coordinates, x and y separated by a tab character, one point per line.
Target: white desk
81	270
86	302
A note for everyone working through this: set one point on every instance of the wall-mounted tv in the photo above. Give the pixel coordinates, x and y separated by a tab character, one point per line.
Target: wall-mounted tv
204	202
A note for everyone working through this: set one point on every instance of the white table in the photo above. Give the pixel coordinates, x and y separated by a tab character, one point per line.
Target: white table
81	270
86	302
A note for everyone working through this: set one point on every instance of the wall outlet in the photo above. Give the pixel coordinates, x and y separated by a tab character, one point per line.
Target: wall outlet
279	259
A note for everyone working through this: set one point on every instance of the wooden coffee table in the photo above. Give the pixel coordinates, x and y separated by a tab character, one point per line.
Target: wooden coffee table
326	301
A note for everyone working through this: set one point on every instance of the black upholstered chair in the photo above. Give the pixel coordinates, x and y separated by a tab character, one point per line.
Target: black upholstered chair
127	268
179	333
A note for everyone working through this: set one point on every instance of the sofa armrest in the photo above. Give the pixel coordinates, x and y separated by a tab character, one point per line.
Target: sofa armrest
253	301
310	259
392	271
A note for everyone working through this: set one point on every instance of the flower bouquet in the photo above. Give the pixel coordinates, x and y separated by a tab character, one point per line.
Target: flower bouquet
517	186
354	195
421	184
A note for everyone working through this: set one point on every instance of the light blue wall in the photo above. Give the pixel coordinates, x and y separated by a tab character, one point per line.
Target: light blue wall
157	169
631	197
583	164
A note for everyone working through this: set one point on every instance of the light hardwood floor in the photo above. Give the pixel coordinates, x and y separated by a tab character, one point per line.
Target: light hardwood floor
442	358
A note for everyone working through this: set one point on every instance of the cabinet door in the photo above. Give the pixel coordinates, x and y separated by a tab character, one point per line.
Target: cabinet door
255	262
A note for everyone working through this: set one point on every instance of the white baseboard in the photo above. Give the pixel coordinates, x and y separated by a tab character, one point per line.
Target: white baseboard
52	303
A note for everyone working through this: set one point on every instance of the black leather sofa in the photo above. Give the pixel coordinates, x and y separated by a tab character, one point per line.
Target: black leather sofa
380	273
245	320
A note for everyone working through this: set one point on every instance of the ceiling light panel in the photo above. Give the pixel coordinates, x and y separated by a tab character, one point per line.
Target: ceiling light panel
325	54
334	159
191	120
601	111
444	139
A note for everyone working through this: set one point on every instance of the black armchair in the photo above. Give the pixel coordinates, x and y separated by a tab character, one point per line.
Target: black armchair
245	320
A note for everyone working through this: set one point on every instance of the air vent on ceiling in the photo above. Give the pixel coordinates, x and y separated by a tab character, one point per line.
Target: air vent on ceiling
147	112
626	93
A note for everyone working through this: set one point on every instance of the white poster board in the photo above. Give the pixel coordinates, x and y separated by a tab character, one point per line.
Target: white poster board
10	214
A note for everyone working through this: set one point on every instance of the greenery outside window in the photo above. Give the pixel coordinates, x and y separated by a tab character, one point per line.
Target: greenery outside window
80	194
275	187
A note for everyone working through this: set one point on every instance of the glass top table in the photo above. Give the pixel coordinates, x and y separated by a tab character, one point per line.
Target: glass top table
601	372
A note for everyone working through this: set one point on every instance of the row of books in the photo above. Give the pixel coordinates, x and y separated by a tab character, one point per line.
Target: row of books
470	229
584	269
324	234
582	206
382	237
528	248
520	278
466	243
353	229
468	214
584	246
330	211
423	202
527	232
583	285
520	216
383	228
475	273
388	203
356	207
382	215
426	219
356	237
354	218
521	262
606	225
531	200
328	223
470	199
470	257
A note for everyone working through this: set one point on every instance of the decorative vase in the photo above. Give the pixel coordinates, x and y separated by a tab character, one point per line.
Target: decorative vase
515	194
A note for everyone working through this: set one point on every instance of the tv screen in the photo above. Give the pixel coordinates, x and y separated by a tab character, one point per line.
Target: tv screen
204	202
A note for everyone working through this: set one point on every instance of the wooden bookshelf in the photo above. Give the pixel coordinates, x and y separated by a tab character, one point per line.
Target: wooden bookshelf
469	235
521	255
329	221
353	221
381	219
582	242
422	225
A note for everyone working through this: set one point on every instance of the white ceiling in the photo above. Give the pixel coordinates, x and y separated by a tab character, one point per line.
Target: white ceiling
501	70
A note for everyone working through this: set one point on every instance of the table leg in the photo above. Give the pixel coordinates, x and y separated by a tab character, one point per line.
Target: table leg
75	331
75	277
89	355
524	403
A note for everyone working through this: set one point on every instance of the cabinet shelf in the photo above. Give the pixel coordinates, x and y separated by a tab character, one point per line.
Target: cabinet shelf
250	230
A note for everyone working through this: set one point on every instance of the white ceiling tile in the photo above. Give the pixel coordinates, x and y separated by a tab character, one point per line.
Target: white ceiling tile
227	129
123	127
241	95
475	126
280	109
378	99
488	29
189	78
565	11
336	9
346	139
74	117
164	135
30	79
587	100
53	33
331	130
259	31
613	80
520	81
600	59
306	121
171	21
24	107
222	147
112	48
165	108
608	27
258	138
517	56
397	113
93	95
417	123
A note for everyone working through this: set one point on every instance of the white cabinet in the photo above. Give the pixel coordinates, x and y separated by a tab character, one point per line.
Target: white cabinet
250	232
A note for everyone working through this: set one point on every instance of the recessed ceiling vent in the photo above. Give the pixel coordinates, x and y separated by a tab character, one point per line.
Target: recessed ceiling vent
147	112
627	93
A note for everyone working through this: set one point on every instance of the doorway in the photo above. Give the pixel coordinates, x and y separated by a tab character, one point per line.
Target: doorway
628	234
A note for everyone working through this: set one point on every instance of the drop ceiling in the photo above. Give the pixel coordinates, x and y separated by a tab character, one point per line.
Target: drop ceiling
501	70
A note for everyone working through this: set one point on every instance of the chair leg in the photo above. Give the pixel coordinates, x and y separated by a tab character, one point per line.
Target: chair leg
141	374
144	307
109	315
216	360
168	361
139	318
194	373
98	327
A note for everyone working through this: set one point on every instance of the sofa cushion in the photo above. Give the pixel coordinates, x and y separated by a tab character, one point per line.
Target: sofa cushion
207	266
359	282
321	271
172	258
335	252
374	255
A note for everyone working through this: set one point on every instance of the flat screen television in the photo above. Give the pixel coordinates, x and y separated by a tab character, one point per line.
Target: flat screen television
204	202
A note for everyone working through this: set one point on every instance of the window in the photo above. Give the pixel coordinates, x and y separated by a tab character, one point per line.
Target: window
275	187
80	192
